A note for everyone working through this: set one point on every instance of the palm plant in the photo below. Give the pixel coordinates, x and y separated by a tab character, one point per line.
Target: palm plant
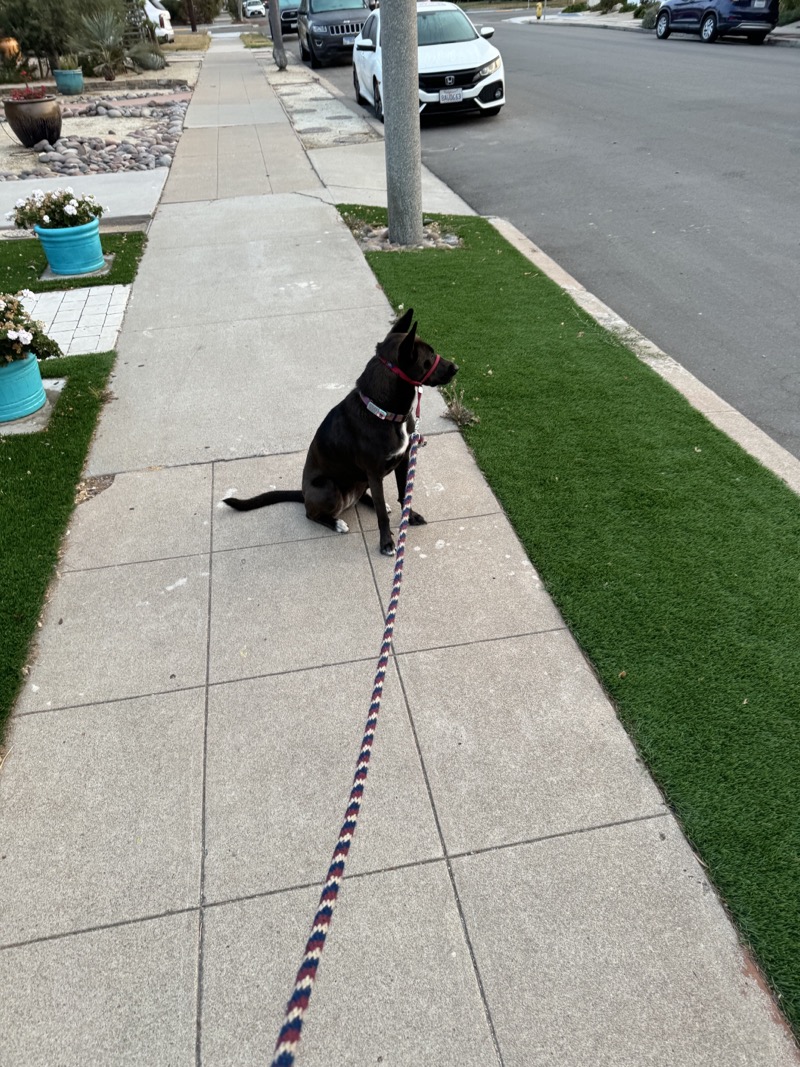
101	39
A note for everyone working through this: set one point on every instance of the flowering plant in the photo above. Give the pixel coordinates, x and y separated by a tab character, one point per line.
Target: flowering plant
19	333
38	92
55	210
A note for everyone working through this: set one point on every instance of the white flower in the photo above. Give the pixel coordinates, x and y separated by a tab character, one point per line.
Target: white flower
9	215
2	305
25	337
73	202
24	293
67	190
70	210
20	203
12	335
45	218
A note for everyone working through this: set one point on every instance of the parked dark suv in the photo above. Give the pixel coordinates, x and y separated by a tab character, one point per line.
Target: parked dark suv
712	19
288	10
328	28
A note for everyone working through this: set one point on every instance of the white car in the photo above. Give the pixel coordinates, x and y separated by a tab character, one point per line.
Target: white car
254	9
458	69
160	18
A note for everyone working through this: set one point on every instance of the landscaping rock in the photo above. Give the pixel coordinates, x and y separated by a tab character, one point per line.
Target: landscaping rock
150	147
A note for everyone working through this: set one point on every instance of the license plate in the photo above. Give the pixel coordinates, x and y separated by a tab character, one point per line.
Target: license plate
352	40
760	3
450	96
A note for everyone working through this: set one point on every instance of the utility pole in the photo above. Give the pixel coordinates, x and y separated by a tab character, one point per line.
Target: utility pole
275	29
191	14
400	91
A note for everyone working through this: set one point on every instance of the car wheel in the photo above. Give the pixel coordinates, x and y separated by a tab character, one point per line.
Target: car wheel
359	98
708	29
303	50
312	55
756	38
662	26
377	103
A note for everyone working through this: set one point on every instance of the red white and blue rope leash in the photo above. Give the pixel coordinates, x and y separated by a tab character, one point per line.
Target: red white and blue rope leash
289	1037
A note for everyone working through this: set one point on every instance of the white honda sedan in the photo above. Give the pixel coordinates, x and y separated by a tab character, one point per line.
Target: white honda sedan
458	69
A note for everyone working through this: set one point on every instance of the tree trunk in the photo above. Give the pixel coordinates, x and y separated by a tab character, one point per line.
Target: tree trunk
400	93
278	52
191	14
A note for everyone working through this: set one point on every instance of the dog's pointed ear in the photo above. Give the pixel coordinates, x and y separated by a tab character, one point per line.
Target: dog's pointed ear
405	353
403	323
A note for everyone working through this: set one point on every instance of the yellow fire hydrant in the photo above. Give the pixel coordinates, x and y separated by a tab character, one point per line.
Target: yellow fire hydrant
538	11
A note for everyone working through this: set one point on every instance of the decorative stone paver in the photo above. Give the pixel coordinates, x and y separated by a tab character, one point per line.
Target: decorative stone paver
81	320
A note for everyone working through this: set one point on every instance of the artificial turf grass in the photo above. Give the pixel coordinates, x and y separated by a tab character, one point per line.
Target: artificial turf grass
671	553
38	476
22	261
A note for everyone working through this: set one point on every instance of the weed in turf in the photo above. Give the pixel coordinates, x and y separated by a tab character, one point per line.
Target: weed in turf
457	410
670	552
22	261
39	473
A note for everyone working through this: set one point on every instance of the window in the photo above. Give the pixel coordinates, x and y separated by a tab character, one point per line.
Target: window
443	27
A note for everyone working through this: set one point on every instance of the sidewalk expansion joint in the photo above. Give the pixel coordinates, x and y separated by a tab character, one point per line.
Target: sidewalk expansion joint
451	876
306	886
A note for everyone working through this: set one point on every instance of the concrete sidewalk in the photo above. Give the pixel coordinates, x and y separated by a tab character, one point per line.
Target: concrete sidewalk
182	751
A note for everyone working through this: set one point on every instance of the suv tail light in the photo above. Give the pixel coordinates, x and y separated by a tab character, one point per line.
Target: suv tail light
161	22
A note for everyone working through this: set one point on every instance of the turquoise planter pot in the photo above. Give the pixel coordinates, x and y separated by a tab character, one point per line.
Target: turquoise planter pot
21	389
69	82
73	249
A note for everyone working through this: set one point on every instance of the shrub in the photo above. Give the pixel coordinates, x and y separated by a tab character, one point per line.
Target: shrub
787	15
572	8
100	39
41	27
649	17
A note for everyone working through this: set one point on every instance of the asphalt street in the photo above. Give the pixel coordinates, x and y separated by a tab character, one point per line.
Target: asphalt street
663	176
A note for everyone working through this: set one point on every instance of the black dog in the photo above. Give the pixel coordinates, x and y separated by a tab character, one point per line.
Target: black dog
366	436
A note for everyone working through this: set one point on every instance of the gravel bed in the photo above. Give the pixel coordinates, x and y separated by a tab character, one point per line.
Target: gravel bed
91	143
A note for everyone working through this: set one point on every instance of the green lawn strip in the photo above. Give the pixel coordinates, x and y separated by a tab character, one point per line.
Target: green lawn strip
38	476
22	262
672	554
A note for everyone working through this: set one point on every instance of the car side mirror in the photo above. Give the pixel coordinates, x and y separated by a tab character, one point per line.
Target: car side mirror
365	46
487	31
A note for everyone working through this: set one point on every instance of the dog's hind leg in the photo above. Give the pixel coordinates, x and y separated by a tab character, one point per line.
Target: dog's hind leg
324	504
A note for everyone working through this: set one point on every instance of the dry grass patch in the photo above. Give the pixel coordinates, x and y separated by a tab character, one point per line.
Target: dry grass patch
188	42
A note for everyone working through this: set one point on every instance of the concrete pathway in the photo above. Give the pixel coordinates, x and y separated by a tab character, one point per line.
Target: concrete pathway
183	748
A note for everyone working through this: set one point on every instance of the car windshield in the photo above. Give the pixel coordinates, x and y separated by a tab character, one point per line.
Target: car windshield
288	3
317	6
443	27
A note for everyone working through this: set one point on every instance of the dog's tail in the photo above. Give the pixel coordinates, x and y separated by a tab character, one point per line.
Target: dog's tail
277	496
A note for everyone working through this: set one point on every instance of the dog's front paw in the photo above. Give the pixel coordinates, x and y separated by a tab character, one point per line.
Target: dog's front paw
415	519
341	526
387	547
